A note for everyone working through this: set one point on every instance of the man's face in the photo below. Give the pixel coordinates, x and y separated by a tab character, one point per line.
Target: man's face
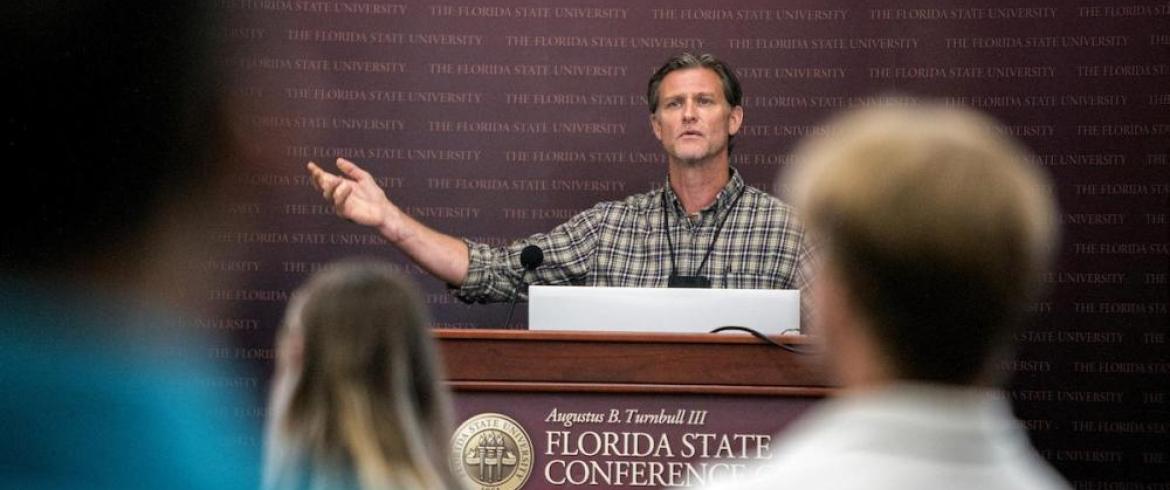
693	119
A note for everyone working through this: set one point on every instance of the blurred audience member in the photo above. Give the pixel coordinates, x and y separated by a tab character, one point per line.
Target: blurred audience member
935	228
113	164
358	400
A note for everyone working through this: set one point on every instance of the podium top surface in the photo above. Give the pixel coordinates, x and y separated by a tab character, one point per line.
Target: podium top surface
601	361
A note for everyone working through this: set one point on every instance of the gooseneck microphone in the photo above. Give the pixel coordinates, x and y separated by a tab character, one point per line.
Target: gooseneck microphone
530	257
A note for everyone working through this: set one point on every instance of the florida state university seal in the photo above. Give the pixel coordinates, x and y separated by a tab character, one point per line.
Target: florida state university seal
492	451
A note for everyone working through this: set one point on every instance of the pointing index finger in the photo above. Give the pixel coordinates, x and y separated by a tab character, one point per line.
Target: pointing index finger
351	170
316	174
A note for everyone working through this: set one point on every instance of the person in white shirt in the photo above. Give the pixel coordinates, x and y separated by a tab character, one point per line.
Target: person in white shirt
934	229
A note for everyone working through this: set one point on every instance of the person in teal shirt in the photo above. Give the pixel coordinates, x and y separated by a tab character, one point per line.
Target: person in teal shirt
104	383
96	397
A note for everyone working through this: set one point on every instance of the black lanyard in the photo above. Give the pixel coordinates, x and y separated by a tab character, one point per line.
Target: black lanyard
695	281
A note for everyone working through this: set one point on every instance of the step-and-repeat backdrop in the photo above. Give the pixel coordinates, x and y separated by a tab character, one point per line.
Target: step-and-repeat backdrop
500	119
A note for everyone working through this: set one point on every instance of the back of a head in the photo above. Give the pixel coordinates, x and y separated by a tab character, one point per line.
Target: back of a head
938	224
115	116
369	404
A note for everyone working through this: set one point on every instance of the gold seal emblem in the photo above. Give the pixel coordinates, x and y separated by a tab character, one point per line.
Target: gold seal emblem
491	450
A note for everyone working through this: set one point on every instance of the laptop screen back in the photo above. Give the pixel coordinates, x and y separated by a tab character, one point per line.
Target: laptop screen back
665	310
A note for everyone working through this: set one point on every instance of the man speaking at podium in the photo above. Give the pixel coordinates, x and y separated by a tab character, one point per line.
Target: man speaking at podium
705	228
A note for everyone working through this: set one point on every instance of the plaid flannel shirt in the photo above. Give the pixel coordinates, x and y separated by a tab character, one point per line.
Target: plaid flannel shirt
623	243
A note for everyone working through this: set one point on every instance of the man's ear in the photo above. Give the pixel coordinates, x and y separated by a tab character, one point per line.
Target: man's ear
855	352
735	120
656	126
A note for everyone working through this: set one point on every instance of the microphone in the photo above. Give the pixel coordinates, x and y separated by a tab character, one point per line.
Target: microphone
530	257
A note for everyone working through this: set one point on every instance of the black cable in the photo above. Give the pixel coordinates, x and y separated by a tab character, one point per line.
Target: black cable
515	297
788	347
531	257
718	230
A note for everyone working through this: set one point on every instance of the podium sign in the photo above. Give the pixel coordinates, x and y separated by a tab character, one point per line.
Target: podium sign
611	410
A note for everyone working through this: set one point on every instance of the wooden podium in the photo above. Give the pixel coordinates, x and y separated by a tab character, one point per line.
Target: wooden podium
618	409
724	363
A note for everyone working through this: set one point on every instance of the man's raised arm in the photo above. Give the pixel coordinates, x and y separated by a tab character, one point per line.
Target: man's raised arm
356	197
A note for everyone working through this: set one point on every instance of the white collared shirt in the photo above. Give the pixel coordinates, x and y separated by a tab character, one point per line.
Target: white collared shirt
906	437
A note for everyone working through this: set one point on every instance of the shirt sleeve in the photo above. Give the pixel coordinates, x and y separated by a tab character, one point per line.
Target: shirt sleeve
494	274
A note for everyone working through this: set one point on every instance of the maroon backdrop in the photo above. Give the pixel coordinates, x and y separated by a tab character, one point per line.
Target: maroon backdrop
500	120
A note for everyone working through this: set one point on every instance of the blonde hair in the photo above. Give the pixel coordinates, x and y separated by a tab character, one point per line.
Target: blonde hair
365	406
939	225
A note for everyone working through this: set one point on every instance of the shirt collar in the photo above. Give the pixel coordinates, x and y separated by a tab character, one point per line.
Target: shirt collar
722	200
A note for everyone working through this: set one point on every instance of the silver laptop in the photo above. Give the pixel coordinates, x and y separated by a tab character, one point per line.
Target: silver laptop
665	310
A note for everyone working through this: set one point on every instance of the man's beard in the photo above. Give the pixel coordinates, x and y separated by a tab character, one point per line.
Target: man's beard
707	156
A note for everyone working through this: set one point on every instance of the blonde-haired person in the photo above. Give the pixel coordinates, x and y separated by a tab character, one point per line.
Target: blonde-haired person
934	228
358	400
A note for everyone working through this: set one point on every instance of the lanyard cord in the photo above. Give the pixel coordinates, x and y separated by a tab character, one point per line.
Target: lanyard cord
711	247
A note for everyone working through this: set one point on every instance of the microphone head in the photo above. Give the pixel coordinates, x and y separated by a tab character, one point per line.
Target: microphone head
531	257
